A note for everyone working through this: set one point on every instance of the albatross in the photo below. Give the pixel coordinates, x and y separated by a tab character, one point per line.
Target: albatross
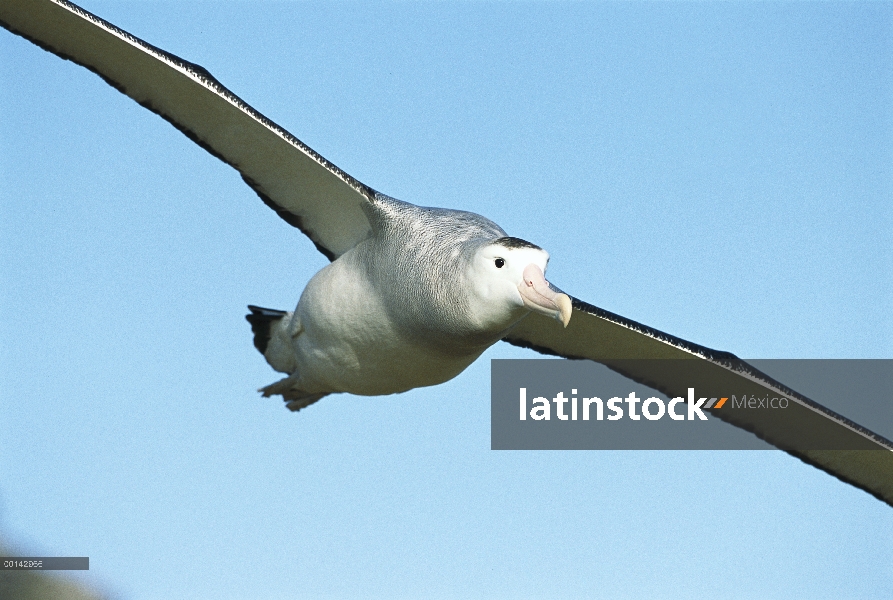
412	295
410	305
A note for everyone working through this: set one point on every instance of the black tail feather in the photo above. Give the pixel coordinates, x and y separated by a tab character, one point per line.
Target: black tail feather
261	319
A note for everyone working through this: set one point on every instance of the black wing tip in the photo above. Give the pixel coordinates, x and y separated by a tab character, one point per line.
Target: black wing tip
261	320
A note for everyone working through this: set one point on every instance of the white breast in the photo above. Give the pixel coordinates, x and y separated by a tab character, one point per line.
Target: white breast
349	342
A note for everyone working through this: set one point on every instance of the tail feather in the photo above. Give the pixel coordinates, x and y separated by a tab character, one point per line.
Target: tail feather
266	326
262	320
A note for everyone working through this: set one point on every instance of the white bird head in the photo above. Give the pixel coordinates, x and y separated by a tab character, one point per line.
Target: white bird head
507	279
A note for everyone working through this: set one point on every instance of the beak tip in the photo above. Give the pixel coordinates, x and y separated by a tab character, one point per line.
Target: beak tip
565	307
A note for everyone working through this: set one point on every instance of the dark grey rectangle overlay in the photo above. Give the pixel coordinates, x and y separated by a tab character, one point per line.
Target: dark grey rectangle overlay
547	404
45	563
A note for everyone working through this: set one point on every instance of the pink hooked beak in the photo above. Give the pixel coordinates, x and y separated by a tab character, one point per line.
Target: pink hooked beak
538	296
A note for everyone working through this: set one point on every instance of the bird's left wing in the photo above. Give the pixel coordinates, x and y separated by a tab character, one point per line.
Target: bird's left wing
305	189
621	344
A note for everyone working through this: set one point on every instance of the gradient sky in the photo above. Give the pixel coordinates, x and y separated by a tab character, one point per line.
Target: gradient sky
720	171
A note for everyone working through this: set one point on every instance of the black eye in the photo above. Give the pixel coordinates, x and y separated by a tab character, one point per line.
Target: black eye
500	263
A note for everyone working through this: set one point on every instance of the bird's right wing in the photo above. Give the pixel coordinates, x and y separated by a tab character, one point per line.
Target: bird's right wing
305	189
806	430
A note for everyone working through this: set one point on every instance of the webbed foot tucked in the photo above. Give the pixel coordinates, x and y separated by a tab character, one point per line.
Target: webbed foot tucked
295	403
283	386
295	399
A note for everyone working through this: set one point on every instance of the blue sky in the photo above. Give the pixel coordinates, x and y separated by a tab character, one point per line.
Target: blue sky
720	171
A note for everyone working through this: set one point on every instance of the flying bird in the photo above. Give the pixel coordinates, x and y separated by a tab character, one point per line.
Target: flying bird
412	295
412	304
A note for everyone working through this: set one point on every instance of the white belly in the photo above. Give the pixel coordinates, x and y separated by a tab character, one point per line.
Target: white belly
349	344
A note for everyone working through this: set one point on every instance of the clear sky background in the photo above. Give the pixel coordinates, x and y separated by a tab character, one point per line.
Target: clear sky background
720	171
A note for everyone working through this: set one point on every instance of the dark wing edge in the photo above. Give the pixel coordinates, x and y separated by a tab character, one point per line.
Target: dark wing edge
305	189
621	344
